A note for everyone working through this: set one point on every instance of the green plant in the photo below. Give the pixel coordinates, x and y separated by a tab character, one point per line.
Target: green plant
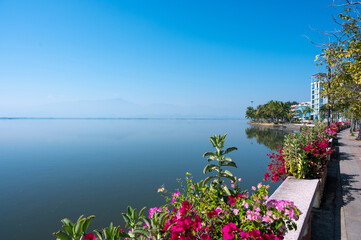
110	233
133	221
222	161
74	231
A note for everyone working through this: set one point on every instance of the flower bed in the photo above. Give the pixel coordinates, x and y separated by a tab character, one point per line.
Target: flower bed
203	210
304	155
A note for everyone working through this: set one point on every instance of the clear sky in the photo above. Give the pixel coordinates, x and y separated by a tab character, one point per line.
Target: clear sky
72	58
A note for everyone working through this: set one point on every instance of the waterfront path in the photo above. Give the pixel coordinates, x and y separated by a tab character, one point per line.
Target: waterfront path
350	176
340	214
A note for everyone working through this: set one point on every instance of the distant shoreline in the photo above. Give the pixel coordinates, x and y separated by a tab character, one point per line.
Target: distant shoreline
294	126
117	118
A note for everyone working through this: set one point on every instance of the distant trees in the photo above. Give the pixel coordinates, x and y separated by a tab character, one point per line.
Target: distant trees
273	111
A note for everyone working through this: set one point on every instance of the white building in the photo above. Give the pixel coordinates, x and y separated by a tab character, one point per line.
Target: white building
316	100
297	109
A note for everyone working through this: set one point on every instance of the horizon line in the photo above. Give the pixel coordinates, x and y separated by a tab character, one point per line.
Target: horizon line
120	118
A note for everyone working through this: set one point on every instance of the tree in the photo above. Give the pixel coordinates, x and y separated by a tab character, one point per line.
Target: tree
304	111
323	112
342	56
250	113
272	111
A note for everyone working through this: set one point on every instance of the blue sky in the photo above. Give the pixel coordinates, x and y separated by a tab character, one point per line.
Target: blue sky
72	58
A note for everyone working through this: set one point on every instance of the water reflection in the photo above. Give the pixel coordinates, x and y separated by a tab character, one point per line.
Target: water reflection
270	137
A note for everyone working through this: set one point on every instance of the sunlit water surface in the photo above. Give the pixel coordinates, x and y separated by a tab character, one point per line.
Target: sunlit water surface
56	168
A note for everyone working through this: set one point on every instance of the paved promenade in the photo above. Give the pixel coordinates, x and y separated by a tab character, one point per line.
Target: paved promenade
350	176
340	214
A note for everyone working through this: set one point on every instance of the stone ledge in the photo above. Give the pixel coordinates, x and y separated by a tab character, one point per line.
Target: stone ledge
302	192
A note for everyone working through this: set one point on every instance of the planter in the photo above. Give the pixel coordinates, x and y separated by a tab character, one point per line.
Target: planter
319	193
303	193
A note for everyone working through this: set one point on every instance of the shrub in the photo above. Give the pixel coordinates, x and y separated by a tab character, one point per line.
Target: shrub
304	154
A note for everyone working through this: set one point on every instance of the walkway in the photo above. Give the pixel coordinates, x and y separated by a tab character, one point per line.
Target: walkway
340	214
350	174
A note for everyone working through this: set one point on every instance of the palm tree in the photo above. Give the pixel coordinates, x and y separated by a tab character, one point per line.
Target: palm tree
251	113
304	111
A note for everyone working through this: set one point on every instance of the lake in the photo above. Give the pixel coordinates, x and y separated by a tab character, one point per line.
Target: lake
56	168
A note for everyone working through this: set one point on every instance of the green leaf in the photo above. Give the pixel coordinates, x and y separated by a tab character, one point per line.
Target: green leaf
207	179
143	232
69	229
229	164
141	212
87	222
79	227
209	168
62	235
208	154
226	190
228	173
99	234
230	149
66	221
126	218
130	211
226	159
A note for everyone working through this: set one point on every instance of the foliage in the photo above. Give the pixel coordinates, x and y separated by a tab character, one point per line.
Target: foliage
271	138
304	111
304	154
204	211
341	55
222	161
272	111
74	231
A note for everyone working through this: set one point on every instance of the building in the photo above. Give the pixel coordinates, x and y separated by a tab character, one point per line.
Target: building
316	100
298	109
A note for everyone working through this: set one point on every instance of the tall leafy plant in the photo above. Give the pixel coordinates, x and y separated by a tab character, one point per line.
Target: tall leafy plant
221	160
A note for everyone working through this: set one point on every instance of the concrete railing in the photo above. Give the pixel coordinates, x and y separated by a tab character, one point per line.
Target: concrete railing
303	193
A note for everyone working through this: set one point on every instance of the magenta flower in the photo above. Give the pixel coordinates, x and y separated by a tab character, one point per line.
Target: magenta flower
228	231
89	236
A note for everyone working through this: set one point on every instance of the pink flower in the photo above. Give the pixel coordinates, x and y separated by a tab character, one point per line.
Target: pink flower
176	194
228	230
218	210
235	211
154	210
89	236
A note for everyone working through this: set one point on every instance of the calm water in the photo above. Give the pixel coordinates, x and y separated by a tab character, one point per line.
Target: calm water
51	169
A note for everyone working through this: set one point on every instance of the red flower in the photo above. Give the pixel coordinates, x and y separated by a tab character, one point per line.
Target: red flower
89	236
232	201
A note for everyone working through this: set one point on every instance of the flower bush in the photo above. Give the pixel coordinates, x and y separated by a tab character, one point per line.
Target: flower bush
304	154
203	210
